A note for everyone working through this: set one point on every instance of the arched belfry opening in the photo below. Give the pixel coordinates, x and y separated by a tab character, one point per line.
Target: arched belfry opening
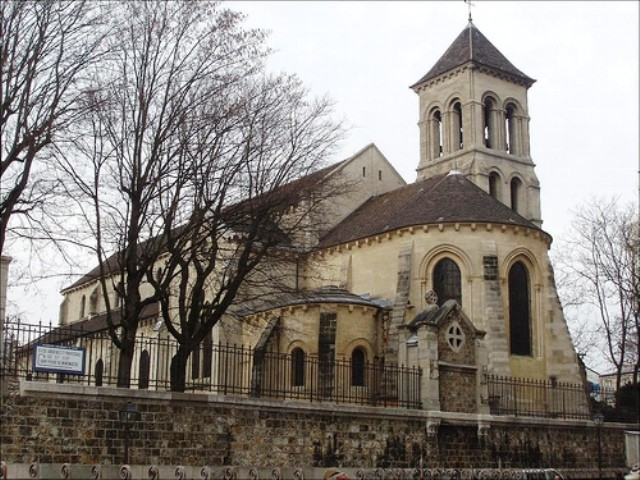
511	130
456	126
490	130
494	185
517	195
437	135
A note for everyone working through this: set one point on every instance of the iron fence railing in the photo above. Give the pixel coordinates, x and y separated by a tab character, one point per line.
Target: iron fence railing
215	368
537	398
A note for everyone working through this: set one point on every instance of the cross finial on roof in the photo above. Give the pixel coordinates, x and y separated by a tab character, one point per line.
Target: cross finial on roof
469	4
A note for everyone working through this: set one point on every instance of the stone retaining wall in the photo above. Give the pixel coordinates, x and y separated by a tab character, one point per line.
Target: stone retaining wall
58	424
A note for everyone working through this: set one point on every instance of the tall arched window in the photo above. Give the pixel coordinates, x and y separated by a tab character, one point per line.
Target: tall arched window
143	370
519	310
98	372
516	194
436	134
83	305
458	139
297	367
207	355
446	281
494	185
489	132
358	359
510	130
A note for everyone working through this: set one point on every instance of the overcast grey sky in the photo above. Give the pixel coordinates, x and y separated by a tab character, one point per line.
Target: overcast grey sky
583	107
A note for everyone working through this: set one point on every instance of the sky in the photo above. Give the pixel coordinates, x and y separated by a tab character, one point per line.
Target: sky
364	55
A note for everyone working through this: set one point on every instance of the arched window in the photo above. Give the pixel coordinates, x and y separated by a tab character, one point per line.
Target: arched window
494	185
143	370
297	367
458	139
489	130
510	130
446	281
83	304
358	359
519	310
207	355
516	194
195	362
98	372
437	134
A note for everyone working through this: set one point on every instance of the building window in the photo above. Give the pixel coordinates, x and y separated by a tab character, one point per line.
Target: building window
494	185
98	372
457	126
446	281
437	139
195	362
83	304
143	370
364	171
519	310
297	367
379	174
510	130
516	193
489	123
207	355
358	358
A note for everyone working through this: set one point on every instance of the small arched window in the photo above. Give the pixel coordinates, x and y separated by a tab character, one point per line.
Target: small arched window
489	131
437	134
207	355
83	305
98	372
143	370
297	367
446	281
511	135
494	185
516	195
519	310
458	139
358	359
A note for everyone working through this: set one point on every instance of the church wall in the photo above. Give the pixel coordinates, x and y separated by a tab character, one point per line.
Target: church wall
371	267
79	425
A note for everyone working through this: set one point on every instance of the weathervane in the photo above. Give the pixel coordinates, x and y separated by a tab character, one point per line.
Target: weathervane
469	4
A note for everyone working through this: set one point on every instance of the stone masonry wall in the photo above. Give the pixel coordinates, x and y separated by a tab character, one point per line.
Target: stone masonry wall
66	423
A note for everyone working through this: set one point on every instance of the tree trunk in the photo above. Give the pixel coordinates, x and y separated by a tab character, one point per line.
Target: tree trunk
178	369
126	359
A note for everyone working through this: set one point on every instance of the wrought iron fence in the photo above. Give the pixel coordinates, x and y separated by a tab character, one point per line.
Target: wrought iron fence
537	398
214	367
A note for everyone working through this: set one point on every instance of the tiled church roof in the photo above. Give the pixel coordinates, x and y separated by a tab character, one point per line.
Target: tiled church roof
472	46
448	198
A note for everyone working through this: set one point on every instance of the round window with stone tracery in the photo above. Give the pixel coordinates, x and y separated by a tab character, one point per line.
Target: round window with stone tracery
455	337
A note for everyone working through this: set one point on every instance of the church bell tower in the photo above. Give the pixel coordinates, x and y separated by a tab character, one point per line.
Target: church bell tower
474	119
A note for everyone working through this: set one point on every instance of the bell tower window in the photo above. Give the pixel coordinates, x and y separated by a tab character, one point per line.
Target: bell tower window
516	195
494	185
511	130
458	139
490	130
436	134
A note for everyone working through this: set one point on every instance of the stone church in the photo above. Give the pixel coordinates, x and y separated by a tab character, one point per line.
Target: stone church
450	273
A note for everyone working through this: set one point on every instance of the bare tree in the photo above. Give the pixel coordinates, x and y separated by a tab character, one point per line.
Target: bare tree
244	246
601	262
45	50
184	124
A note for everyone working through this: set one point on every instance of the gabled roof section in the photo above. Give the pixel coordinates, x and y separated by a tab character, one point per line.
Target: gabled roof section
472	46
450	198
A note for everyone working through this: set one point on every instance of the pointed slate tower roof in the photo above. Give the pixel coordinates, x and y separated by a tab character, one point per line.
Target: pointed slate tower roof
472	46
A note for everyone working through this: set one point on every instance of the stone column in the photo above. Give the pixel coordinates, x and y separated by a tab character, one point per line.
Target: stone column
428	361
4	276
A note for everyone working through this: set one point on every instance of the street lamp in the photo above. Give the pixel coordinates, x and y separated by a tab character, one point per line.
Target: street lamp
598	419
128	414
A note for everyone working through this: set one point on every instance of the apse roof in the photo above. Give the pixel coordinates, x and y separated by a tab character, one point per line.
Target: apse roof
472	46
450	198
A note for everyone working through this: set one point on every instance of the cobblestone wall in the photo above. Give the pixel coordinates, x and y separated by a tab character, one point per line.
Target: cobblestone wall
79	425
